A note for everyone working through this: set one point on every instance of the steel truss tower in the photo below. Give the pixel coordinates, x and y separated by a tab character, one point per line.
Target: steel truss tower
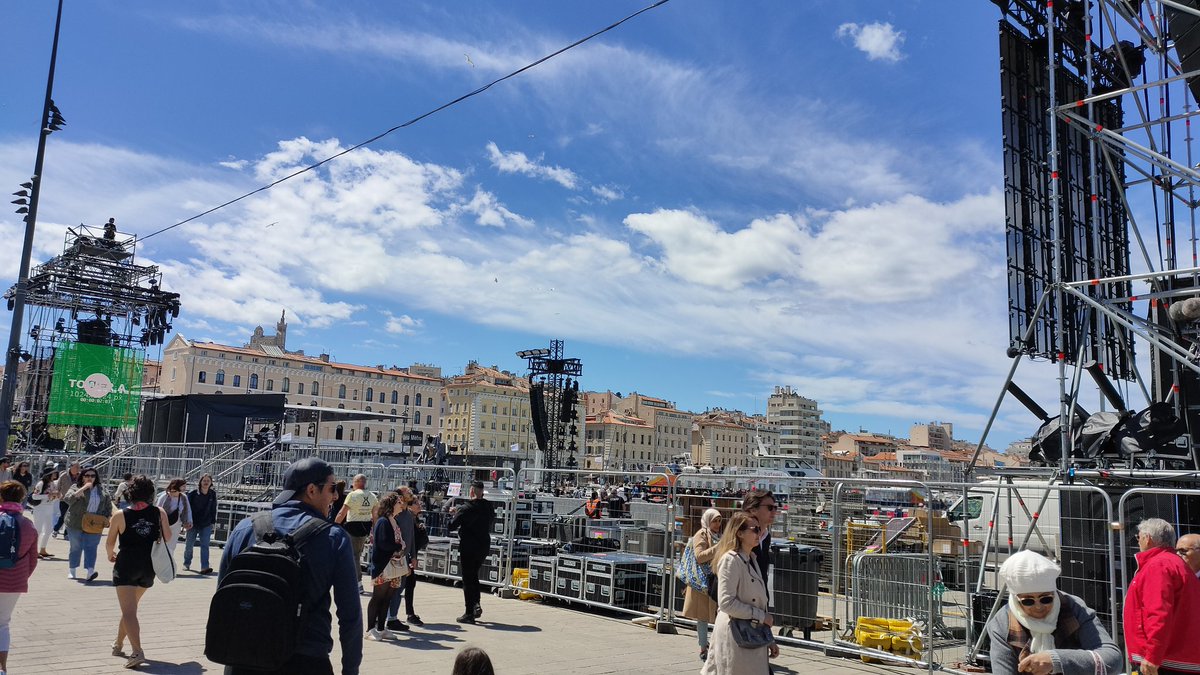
1101	198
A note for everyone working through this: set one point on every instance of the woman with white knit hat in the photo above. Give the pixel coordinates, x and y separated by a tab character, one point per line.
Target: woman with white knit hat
1043	630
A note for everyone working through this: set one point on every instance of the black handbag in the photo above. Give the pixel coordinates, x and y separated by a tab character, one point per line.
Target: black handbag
750	634
711	580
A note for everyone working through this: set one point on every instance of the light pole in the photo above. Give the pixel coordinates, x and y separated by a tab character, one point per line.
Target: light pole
52	121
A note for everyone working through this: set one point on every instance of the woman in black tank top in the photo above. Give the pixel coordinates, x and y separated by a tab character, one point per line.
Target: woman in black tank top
136	528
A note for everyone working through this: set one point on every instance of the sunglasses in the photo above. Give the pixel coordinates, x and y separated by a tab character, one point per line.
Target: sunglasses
771	507
1044	600
753	528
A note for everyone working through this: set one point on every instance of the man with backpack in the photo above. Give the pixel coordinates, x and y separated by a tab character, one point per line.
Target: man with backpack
252	600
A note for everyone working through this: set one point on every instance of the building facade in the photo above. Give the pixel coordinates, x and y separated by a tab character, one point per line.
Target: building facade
209	368
800	425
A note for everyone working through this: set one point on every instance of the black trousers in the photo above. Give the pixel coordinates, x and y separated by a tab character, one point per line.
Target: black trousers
410	585
471	562
300	664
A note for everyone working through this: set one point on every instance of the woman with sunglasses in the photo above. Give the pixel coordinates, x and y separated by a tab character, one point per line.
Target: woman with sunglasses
44	500
85	498
741	594
1043	630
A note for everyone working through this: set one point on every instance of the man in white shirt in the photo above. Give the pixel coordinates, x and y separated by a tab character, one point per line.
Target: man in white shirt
358	516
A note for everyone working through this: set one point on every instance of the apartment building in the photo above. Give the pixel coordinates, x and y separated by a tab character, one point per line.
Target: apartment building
800	424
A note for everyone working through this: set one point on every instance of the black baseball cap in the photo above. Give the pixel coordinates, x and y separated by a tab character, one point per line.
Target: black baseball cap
302	473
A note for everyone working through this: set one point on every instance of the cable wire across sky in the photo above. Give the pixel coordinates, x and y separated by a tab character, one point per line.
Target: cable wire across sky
409	123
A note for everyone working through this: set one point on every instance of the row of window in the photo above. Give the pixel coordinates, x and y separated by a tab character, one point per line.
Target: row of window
219	379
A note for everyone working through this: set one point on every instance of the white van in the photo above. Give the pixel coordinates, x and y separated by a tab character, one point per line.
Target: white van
988	505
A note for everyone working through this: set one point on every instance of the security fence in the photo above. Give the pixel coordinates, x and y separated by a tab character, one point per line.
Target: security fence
890	571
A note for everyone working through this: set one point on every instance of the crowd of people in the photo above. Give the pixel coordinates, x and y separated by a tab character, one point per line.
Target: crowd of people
1039	630
136	517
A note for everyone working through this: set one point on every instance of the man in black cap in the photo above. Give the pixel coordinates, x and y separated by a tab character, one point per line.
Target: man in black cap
309	490
473	521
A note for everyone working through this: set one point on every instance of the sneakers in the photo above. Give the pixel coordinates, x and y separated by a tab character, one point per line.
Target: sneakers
71	574
117	650
206	570
135	659
374	635
704	653
478	611
187	567
92	575
386	634
466	618
397	625
415	620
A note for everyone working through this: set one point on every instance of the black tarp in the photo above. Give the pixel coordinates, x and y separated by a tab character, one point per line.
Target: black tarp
198	418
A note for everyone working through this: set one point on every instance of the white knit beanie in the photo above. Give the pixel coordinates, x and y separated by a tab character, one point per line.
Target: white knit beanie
1028	572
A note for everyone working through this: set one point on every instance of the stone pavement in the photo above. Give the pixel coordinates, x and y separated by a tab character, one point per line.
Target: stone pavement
64	626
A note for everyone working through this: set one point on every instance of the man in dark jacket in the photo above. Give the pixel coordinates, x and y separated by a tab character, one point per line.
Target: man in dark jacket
309	488
473	521
761	504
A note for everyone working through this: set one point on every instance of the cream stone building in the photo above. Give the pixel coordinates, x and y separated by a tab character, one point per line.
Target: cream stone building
265	366
616	442
729	438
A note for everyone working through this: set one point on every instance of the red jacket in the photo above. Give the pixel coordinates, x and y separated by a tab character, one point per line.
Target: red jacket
1162	610
16	578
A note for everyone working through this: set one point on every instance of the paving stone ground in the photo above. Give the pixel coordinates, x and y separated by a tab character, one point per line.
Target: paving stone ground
64	626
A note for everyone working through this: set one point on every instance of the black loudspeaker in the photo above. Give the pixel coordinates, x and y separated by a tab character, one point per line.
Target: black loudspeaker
537	413
1184	29
94	332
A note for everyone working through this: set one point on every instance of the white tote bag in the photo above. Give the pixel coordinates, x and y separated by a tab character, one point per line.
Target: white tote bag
164	562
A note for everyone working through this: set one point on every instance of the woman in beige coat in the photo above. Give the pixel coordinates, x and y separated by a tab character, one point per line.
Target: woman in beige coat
697	606
741	594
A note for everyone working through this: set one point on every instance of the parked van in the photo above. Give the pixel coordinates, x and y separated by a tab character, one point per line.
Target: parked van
988	505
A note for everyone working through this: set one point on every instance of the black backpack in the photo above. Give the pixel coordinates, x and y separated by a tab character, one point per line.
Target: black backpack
256	612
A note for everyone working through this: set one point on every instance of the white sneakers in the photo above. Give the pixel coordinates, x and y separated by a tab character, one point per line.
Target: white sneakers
376	635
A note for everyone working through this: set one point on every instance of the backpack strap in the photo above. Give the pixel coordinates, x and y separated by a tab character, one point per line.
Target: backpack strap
264	528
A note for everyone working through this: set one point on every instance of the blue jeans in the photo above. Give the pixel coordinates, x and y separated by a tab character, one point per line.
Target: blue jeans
82	543
205	534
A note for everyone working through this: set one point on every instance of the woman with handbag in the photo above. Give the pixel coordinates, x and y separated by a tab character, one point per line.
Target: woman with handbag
697	606
179	512
88	509
741	641
44	499
388	564
136	528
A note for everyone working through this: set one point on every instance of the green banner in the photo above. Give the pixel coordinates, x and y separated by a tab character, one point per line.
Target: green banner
95	386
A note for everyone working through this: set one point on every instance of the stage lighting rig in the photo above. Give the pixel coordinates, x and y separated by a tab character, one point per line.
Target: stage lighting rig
553	393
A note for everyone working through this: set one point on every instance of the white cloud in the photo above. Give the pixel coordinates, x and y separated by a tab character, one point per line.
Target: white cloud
607	193
518	162
400	324
879	41
488	211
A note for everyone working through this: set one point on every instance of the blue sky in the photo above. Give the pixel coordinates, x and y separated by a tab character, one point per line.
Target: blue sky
711	200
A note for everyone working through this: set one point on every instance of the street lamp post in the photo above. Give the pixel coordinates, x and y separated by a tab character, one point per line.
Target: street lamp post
51	121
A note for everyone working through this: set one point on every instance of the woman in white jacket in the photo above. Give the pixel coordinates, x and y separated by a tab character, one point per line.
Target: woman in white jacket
741	594
175	504
44	499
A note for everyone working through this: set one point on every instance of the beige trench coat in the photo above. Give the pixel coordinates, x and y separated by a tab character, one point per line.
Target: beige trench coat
697	606
742	594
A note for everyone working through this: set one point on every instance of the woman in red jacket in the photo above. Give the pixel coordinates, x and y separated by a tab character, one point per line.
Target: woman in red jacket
15	580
